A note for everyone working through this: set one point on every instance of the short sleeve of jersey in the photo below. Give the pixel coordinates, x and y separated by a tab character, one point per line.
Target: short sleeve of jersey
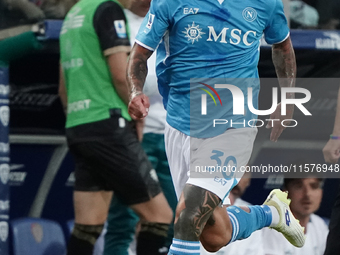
277	29
110	25
154	25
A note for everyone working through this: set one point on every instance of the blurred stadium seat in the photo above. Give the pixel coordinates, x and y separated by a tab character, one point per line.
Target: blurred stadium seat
37	236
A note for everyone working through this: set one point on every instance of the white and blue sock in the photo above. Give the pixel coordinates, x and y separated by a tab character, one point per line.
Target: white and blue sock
244	223
181	247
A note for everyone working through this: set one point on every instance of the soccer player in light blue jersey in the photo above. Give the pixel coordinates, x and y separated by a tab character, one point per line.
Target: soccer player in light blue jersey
216	39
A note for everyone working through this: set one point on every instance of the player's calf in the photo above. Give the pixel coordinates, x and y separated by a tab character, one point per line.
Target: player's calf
217	232
194	210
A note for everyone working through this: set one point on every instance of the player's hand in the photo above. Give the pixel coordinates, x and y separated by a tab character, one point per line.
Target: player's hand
276	126
331	151
139	106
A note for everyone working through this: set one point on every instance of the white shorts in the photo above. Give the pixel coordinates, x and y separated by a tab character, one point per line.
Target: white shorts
214	164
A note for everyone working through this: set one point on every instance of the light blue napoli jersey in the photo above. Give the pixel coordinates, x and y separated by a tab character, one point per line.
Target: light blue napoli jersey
208	39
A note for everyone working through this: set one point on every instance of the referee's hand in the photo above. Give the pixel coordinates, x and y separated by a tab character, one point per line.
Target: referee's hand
139	106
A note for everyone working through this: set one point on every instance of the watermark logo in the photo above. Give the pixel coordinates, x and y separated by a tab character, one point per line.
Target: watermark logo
240	104
204	97
238	100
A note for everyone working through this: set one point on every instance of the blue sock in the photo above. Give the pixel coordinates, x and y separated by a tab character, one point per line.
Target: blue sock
244	224
181	247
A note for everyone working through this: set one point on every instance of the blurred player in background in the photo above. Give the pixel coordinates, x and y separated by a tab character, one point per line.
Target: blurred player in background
94	47
212	39
331	153
306	196
122	220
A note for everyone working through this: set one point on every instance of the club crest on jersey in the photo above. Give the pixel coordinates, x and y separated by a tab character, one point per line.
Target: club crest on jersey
120	28
150	21
193	33
249	14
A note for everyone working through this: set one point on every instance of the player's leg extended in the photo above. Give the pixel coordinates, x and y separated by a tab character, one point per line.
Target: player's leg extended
236	223
90	215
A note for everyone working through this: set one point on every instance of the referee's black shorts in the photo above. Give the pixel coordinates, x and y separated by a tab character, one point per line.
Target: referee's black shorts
108	156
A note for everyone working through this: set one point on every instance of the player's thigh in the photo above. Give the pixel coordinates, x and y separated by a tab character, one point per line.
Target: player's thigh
91	208
177	146
217	163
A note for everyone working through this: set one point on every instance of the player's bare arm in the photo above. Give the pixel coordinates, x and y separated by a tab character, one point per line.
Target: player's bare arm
137	71
285	65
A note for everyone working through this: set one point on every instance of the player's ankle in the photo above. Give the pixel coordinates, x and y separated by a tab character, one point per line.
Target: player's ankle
275	216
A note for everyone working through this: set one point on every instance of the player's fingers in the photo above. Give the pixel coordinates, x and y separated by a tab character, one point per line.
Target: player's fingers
270	123
276	132
331	157
146	102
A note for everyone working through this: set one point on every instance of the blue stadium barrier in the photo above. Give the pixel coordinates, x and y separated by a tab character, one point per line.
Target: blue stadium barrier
4	159
37	236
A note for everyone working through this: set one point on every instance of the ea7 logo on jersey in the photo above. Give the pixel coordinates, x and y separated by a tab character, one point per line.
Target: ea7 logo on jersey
150	21
249	14
190	10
